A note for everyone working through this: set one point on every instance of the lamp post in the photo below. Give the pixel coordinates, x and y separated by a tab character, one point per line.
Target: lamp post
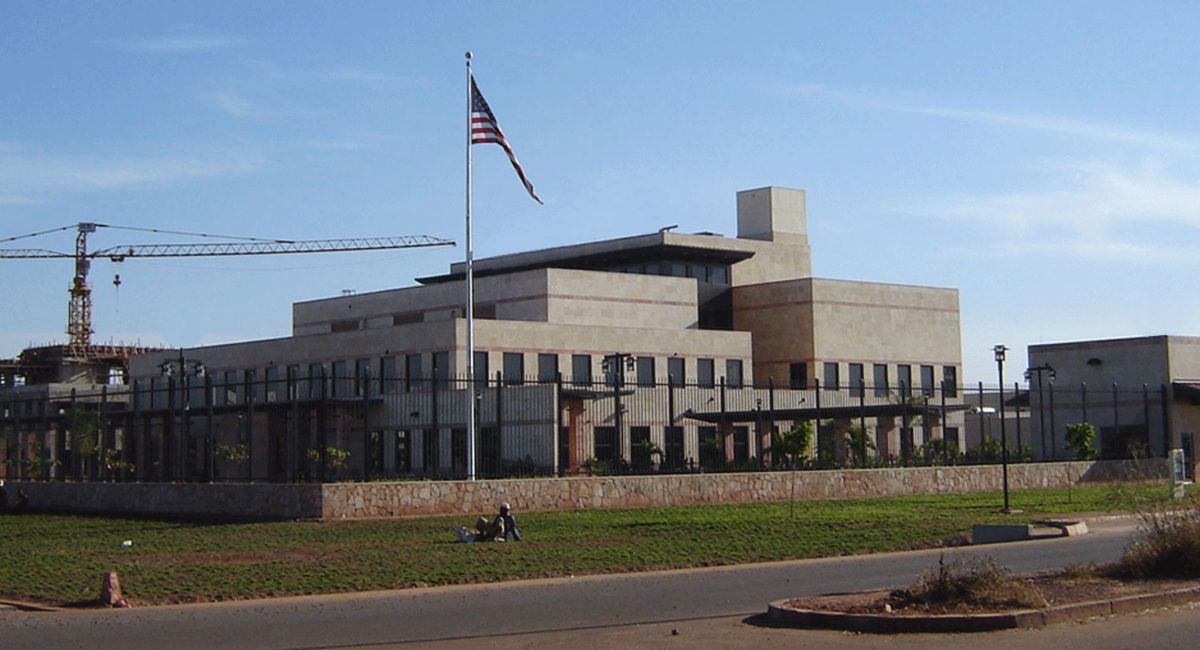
1000	350
1044	368
185	369
614	366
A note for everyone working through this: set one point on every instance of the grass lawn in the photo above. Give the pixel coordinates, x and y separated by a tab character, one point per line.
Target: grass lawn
61	559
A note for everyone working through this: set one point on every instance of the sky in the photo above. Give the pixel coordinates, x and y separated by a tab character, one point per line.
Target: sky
1043	158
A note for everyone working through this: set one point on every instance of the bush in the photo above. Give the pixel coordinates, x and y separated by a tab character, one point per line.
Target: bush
1079	441
1168	545
975	581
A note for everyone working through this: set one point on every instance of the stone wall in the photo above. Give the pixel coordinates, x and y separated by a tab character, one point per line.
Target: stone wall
424	498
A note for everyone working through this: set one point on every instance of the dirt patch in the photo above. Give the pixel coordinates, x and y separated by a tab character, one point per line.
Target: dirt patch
1059	589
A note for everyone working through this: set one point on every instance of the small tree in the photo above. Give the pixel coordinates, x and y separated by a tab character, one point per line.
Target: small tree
939	451
334	457
233	453
860	446
796	443
1079	441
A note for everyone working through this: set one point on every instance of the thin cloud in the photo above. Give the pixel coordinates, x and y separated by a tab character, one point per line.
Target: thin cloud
179	44
1092	130
233	103
1087	215
27	176
358	75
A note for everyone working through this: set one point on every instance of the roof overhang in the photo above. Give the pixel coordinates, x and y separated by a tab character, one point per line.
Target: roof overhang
1189	390
608	253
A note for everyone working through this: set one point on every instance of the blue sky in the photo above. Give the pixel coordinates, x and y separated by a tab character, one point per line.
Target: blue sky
1041	157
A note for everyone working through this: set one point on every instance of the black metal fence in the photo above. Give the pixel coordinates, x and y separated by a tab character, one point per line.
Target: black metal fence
285	429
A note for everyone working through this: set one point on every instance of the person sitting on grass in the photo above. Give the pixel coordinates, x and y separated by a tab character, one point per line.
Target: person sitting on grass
500	529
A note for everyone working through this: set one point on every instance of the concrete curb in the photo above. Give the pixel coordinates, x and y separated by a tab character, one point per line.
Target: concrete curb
27	607
779	612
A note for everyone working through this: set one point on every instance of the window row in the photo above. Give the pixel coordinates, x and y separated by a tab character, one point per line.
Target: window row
883	378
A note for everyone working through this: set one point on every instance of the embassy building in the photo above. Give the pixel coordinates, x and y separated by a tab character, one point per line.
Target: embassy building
663	351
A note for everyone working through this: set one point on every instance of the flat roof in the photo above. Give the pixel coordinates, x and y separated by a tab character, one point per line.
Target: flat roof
708	248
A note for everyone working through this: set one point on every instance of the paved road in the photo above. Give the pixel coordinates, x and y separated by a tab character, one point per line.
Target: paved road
702	605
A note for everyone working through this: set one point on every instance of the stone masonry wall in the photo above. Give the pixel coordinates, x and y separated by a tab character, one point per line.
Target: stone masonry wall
424	498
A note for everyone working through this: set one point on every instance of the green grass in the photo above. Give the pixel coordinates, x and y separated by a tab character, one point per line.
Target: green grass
61	559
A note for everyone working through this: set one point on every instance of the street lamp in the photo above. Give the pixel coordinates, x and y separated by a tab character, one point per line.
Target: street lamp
1000	350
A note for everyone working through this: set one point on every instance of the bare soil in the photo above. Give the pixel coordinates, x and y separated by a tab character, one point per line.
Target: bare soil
1056	587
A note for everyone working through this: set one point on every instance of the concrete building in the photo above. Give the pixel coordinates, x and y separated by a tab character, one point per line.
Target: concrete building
1141	394
704	310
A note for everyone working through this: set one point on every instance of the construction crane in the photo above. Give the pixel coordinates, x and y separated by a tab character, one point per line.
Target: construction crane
79	315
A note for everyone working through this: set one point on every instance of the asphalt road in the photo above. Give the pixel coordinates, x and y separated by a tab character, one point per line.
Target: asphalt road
531	613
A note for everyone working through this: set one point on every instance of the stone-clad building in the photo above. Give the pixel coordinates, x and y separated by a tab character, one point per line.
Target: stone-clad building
689	309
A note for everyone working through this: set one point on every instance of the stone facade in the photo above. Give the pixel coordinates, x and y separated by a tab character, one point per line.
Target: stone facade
431	498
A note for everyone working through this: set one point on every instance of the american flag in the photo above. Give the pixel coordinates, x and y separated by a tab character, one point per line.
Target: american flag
485	129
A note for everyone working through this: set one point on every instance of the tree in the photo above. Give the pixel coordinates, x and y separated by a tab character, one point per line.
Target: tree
796	442
860	445
1079	441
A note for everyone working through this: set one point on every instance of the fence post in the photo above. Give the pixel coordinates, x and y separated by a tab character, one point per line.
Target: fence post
772	437
1083	400
1168	436
1053	423
1116	417
559	462
1017	412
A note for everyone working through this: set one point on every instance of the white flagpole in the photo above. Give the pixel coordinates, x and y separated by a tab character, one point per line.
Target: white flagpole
470	298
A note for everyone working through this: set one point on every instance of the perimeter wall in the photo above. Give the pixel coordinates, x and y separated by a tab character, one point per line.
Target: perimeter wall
423	498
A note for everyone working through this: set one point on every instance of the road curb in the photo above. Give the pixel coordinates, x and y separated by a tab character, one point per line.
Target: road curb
783	614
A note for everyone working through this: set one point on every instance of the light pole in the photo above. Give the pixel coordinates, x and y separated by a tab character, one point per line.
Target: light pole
185	369
614	366
1000	350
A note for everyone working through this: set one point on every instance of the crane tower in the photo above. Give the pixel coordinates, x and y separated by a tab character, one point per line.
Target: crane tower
79	314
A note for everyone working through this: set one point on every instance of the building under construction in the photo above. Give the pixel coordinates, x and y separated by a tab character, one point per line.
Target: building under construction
71	365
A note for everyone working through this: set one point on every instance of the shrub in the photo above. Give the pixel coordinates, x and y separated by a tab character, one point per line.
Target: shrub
1079	441
974	581
1167	545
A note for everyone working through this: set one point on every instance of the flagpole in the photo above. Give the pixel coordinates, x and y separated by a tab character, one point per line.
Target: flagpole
470	299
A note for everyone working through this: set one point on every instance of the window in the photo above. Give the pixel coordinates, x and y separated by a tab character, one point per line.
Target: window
675	372
798	374
950	381
645	371
274	385
481	369
294	376
581	369
705	373
316	381
719	275
547	367
904	379
254	386
458	449
880	379
733	373
389	372
712	448
856	379
639	448
412	371
362	377
341	379
604	445
441	365
927	380
514	368
673	454
832	381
